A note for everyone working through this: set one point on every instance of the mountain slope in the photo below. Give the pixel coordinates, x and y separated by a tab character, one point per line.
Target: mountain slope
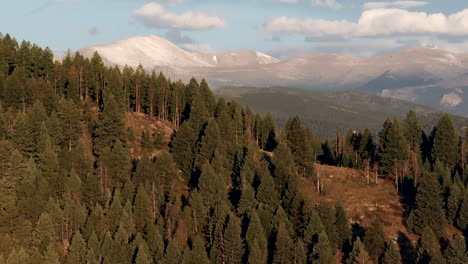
325	112
149	51
155	52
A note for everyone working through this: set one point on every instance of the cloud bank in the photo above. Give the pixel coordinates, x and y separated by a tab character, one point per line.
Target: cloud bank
154	15
327	3
396	4
375	23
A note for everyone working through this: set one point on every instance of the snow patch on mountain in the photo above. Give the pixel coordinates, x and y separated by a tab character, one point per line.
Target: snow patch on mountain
149	51
451	100
265	59
155	52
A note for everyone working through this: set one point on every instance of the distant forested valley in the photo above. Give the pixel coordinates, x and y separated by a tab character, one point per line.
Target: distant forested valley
106	165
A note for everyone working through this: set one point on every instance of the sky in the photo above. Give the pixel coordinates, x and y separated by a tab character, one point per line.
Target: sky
280	28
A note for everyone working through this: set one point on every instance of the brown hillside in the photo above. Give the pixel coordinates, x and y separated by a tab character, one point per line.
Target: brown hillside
138	122
363	202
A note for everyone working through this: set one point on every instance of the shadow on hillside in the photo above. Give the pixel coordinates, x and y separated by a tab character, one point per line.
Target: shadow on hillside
407	250
407	196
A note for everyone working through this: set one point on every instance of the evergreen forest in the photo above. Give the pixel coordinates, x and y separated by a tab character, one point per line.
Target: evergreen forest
80	183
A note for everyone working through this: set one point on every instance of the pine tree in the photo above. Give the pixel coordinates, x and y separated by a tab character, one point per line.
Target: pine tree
429	207
300	145
256	241
265	132
91	257
44	233
445	140
142	211
456	252
167	171
462	220
328	219
392	146
266	191
183	147
284	252
323	253
17	91
51	171
453	201
77	250
72	89
3	123
207	96
391	254
212	187
209	143
173	253
247	201
119	165
110	128
283	166
358	254
155	243
94	244
70	116
198	253
374	240
7	188
107	247
22	135
50	256
313	227
342	225
413	134
18	256
255	253
428	251
233	242
142	256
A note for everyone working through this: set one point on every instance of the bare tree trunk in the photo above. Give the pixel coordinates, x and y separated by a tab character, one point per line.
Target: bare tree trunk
318	179
154	201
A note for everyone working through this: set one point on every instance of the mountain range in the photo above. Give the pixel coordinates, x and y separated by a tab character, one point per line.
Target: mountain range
426	76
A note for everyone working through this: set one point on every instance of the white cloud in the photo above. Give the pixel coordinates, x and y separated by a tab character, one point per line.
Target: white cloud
309	27
154	15
200	48
395	4
375	23
171	2
327	3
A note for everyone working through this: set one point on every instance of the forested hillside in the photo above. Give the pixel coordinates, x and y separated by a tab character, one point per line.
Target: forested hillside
109	165
324	112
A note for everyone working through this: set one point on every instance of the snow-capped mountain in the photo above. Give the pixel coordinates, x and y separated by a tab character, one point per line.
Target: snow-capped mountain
156	52
149	51
422	75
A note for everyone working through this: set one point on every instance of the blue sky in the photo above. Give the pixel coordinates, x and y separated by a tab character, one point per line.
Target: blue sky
279	27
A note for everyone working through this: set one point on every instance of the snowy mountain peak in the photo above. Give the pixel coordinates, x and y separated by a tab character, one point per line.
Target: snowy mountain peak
150	51
154	52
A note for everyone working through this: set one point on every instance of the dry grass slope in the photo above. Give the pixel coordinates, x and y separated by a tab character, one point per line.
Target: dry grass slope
138	122
363	202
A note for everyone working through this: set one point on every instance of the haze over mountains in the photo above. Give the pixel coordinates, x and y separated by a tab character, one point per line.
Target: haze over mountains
426	76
